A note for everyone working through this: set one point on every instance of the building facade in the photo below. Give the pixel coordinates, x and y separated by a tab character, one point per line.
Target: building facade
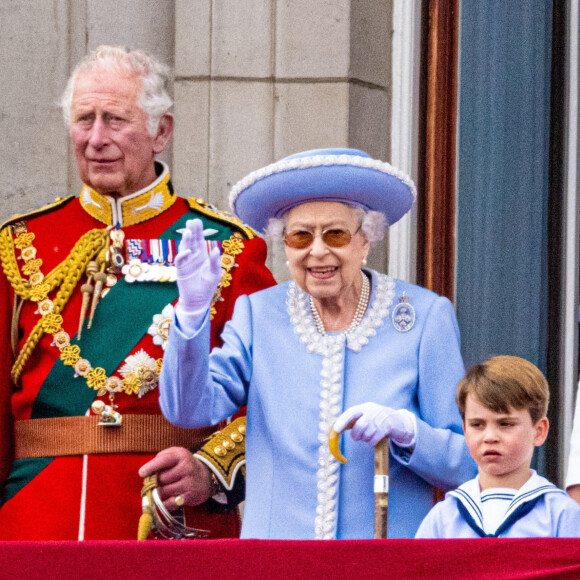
256	80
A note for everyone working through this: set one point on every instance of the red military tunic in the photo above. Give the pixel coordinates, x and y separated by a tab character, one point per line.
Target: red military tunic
77	491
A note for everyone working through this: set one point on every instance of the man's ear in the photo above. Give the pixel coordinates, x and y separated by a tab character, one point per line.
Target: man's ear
541	431
164	132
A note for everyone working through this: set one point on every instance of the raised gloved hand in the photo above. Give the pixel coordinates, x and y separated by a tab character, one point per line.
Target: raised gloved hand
198	275
373	422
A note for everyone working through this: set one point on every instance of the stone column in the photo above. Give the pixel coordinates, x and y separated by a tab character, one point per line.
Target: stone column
40	43
33	70
257	80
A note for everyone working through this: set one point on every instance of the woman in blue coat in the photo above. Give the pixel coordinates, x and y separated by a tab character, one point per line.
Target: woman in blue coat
338	344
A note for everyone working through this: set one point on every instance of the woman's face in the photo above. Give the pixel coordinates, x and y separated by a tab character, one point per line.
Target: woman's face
323	271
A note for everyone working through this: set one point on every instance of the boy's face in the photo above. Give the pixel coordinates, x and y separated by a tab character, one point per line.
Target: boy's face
502	444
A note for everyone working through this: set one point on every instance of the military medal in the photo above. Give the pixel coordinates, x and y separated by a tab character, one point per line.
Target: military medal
153	260
109	417
403	314
159	329
116	258
152	251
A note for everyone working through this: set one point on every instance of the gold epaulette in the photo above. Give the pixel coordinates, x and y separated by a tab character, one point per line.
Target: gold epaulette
198	204
56	204
225	452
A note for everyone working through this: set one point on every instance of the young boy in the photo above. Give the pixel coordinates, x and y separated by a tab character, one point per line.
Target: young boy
503	403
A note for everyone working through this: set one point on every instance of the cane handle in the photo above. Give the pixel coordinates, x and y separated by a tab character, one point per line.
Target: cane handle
334	442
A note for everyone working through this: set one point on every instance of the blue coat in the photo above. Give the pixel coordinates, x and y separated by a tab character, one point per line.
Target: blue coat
295	382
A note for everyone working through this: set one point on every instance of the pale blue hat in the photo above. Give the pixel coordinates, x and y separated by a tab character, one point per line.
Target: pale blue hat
346	175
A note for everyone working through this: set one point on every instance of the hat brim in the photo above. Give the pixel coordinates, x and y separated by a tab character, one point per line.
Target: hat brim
361	181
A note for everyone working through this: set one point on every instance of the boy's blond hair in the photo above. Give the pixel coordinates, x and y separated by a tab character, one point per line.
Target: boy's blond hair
505	381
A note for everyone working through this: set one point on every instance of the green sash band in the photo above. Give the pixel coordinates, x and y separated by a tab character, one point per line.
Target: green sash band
120	323
22	473
117	328
121	320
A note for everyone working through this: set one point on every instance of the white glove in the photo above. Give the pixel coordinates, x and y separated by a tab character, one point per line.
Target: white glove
374	422
198	275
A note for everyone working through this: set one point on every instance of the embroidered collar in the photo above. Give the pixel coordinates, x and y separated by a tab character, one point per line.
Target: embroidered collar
301	316
132	209
468	496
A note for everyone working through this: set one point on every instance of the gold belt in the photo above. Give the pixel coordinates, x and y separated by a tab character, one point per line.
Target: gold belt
59	436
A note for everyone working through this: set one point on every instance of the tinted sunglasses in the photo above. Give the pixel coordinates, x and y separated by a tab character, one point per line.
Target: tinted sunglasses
333	238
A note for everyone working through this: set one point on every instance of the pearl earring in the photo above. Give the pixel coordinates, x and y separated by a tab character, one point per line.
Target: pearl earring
364	262
287	263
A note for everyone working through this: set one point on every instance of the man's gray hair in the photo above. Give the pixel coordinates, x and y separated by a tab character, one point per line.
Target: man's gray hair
154	99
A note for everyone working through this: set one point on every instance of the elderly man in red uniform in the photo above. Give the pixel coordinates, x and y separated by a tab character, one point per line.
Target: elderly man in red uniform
87	293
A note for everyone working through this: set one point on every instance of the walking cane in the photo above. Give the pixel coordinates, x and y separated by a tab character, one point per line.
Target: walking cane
381	480
381	487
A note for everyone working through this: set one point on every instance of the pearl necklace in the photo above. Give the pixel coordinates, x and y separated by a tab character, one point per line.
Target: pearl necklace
361	308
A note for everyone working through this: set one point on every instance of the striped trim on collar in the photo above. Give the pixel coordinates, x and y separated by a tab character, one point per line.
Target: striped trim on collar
468	497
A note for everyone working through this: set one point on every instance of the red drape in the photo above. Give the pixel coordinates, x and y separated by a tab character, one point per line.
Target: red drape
486	558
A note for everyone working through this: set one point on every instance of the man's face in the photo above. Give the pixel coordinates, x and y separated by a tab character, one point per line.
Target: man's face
115	153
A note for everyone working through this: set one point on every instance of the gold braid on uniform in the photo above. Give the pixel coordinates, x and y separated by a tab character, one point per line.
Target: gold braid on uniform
224	453
66	275
146	519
